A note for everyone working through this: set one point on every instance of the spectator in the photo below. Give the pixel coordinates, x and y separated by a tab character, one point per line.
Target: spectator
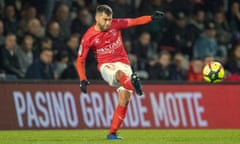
29	13
34	29
135	64
234	16
41	68
233	65
212	6
155	28
195	70
10	21
45	43
2	37
132	57
223	35
82	22
207	59
72	45
178	69
18	6
196	24
44	7
144	50
177	36
91	67
8	59
25	53
70	72
147	7
77	4
160	68
62	16
53	32
181	5
206	44
168	9
61	63
122	9
222	25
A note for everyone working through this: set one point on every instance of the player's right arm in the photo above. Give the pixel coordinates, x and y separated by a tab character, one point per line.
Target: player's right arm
82	54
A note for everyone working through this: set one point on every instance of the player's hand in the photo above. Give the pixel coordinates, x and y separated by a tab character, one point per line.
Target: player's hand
83	85
158	15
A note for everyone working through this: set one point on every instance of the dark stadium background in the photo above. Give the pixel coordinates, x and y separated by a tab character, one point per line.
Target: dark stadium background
175	48
168	55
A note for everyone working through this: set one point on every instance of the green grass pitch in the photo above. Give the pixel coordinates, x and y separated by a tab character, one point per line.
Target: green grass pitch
130	137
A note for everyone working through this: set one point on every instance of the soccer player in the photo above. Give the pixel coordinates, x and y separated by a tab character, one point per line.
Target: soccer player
104	38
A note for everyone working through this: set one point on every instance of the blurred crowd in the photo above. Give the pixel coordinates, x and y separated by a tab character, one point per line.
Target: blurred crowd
39	39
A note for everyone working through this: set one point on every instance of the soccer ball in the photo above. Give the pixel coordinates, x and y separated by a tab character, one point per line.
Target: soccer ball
213	72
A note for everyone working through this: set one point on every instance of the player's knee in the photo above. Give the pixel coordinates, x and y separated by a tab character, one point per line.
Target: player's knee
119	74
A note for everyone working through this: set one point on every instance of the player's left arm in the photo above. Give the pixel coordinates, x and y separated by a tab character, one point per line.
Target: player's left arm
138	21
129	22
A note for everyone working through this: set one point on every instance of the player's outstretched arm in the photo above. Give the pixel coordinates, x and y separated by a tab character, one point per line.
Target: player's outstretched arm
158	15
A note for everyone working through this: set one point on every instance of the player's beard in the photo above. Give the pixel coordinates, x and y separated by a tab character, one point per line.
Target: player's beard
103	27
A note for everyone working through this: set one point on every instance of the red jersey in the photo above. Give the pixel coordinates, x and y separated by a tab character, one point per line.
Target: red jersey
106	45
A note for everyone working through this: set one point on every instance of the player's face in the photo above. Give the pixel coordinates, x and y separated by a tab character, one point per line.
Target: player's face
103	21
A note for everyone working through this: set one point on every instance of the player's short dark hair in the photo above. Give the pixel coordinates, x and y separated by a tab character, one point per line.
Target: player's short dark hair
104	9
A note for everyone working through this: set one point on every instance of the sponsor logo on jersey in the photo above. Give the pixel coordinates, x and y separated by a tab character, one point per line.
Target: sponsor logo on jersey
110	48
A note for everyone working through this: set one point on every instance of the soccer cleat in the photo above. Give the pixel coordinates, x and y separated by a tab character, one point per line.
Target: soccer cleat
136	84
113	136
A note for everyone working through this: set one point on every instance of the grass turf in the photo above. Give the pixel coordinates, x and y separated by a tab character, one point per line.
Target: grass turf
130	137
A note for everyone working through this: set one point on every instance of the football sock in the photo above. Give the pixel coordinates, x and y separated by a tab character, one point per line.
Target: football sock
118	118
125	81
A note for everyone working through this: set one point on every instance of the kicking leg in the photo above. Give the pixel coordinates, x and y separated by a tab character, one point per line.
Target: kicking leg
130	84
137	84
124	80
